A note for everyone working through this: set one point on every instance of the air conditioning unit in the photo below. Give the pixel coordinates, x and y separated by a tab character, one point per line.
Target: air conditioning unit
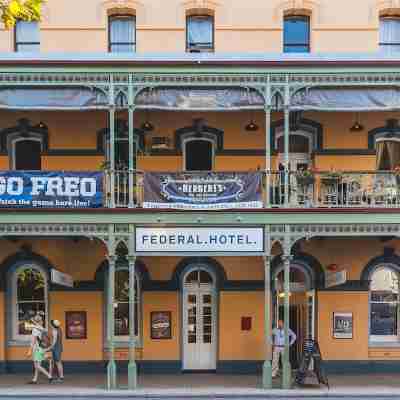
160	142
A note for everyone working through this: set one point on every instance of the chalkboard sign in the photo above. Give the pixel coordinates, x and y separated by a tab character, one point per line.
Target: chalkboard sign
311	352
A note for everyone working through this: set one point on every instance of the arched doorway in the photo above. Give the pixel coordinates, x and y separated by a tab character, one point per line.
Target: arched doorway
302	305
199	319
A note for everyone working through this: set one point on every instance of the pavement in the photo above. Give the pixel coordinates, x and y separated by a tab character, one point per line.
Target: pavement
198	386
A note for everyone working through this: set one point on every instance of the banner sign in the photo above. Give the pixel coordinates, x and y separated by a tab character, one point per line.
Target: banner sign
60	278
335	278
43	189
204	190
200	240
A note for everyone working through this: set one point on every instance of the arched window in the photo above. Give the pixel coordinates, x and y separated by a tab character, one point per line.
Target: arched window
296	34
121	33
199	33
29	297
384	304
26	154
121	322
389	34
199	154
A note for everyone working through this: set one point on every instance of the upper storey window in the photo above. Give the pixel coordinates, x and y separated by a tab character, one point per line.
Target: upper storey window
296	34
27	36
389	34
199	33
122	34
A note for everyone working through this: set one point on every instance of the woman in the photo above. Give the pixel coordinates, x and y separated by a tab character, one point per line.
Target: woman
36	351
56	349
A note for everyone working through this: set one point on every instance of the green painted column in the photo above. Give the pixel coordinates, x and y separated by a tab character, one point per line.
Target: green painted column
132	369
111	367
286	367
267	368
131	109
267	156
286	132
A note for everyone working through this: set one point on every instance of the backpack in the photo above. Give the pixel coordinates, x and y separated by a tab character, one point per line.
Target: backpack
44	340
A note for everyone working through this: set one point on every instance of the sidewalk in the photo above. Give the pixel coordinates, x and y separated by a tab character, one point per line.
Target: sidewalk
172	386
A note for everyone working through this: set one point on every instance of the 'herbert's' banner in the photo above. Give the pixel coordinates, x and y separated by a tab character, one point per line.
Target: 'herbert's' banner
204	190
22	189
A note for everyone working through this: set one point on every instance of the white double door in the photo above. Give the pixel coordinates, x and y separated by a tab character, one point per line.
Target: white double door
199	327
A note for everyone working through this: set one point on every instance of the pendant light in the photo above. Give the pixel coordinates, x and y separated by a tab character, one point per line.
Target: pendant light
357	126
147	126
251	126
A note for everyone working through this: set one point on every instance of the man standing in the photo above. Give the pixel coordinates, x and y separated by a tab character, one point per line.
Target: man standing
56	349
278	345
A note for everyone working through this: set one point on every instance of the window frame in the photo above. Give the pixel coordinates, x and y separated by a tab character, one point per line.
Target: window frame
121	16
194	48
15	336
294	45
383	340
124	340
192	138
383	46
20	138
16	43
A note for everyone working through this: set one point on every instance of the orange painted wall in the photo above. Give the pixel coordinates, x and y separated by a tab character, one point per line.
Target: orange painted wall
161	349
2	327
4	164
235	344
72	163
343	349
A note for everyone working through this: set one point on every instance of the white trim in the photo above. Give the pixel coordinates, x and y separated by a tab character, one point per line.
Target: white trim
14	303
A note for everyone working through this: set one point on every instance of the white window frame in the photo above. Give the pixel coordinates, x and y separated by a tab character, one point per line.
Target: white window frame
14	300
383	339
388	47
124	339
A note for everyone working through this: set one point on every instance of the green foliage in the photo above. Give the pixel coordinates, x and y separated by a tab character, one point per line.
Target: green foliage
26	10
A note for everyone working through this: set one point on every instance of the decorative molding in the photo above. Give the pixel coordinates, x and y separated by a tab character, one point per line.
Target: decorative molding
208	7
308	7
136	7
390	130
383	7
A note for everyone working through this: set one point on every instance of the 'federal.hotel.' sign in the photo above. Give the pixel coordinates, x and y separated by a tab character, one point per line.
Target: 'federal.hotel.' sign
200	240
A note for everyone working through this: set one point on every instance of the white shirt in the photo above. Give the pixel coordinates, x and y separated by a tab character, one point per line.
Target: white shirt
278	337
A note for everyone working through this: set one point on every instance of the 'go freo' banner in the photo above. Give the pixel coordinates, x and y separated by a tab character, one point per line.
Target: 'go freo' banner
43	189
203	190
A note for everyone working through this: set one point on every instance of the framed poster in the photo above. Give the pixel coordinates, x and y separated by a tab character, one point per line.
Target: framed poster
75	325
160	325
342	325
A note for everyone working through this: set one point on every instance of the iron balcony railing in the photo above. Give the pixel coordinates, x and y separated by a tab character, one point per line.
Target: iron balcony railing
365	189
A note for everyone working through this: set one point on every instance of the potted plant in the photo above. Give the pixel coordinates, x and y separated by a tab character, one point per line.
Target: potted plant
305	177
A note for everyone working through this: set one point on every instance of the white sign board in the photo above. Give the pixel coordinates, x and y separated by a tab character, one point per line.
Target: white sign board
335	278
200	240
62	279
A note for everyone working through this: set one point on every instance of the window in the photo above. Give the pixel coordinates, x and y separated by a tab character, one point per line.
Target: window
296	34
27	36
122	304
30	294
384	305
199	33
27	154
389	35
199	154
122	34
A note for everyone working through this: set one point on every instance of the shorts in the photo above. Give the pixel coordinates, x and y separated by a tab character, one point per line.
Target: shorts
38	355
56	355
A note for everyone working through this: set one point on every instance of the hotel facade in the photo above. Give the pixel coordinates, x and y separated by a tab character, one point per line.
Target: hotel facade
176	178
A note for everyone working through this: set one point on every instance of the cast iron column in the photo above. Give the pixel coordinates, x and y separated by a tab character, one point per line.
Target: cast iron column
267	156
111	124
131	109
132	370
287	371
111	367
267	369
286	112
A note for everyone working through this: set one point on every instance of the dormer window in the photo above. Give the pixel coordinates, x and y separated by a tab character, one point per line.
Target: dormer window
199	33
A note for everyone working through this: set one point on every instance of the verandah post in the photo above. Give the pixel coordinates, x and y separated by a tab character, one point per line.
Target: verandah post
267	368
286	112
131	172
267	109
111	116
